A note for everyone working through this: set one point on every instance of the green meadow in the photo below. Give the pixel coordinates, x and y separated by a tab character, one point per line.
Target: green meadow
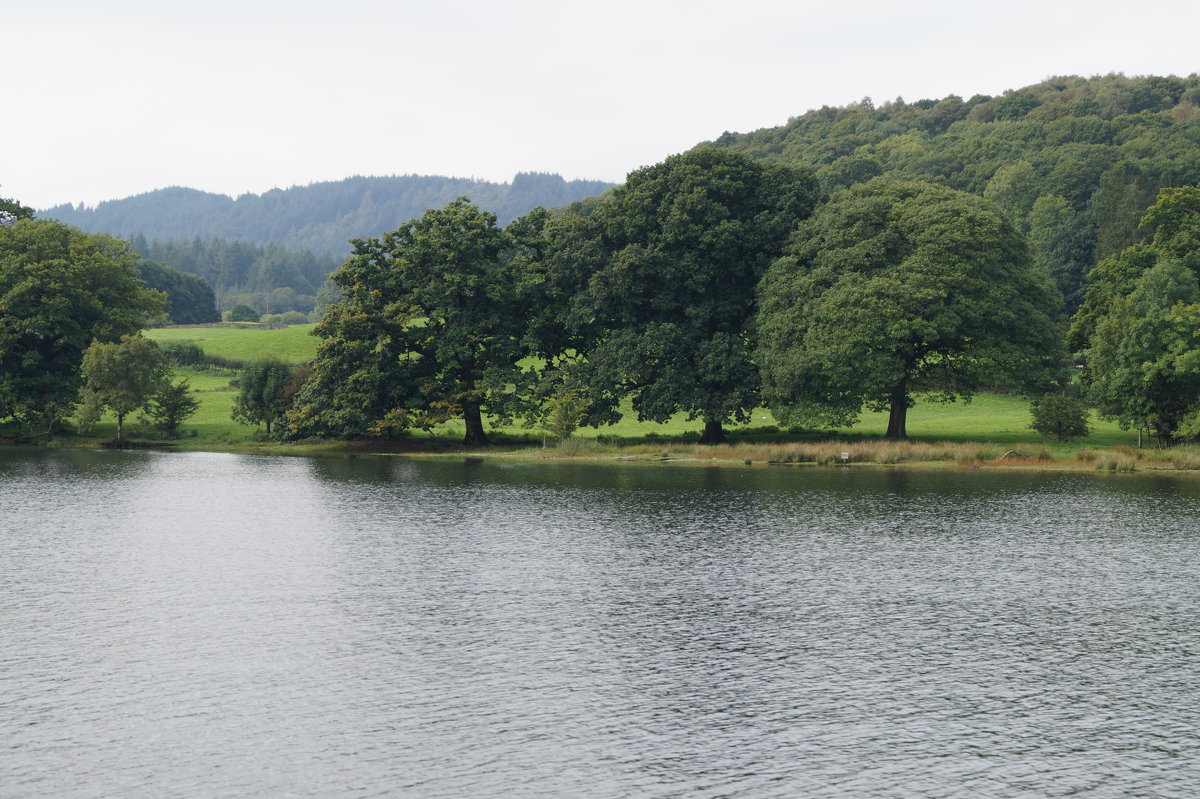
292	344
989	418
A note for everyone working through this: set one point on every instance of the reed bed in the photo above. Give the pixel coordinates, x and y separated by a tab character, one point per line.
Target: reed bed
881	452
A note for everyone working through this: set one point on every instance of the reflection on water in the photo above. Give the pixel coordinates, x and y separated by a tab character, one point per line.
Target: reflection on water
217	625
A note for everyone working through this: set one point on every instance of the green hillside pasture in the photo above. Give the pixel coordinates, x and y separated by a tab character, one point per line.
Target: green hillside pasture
293	344
210	426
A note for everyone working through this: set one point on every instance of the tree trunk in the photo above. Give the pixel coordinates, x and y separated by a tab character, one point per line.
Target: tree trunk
898	418
120	427
713	432
474	420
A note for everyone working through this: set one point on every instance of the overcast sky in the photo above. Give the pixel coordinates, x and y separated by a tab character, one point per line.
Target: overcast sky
108	98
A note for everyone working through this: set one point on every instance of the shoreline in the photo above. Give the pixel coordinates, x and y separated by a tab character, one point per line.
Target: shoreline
922	455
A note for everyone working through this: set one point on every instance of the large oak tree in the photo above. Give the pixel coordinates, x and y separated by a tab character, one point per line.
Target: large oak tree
663	314
432	327
895	289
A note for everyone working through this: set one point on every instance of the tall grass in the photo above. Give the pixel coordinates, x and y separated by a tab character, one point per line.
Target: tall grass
877	451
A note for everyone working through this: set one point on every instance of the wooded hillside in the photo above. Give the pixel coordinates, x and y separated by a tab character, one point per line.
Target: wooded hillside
1074	161
320	217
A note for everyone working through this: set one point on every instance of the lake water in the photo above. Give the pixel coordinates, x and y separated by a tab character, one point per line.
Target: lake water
211	625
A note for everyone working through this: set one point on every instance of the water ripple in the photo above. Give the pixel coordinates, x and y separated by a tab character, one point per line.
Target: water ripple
220	626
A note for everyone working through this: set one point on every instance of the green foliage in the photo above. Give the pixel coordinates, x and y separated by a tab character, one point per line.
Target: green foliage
171	405
1060	240
190	300
261	395
1103	144
378	371
1137	327
121	377
565	411
60	290
183	353
243	313
1060	416
11	211
284	319
664	274
1143	363
895	289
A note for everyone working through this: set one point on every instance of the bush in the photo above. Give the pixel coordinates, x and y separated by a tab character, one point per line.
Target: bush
170	406
284	319
1060	417
183	353
243	313
565	411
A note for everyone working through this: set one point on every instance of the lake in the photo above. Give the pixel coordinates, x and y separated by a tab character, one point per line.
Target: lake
215	625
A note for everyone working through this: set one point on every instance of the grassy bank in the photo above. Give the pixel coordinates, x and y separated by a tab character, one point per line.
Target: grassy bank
991	431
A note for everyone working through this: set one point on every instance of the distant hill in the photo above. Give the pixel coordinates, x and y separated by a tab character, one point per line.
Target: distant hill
319	217
1074	161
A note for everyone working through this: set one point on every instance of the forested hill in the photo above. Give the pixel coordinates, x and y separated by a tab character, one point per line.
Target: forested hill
1074	161
318	217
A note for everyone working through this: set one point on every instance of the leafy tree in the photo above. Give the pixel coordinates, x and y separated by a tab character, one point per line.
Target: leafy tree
1060	416
1174	221
565	410
1105	144
171	405
1060	239
895	289
122	376
60	290
1141	366
432	327
1110	280
261	387
1014	188
664	316
190	300
243	313
11	211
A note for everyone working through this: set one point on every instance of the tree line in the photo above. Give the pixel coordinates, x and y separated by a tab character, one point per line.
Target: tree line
710	284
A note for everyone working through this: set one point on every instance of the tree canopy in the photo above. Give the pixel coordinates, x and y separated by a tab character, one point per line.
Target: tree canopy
1137	327
664	272
1100	147
61	289
432	328
898	288
122	376
261	392
190	300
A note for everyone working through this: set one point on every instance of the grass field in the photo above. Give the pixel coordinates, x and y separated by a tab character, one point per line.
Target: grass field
293	344
989	418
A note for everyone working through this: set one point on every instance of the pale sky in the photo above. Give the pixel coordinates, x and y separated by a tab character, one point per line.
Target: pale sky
107	98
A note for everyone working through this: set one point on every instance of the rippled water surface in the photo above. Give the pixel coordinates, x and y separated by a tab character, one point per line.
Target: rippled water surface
192	625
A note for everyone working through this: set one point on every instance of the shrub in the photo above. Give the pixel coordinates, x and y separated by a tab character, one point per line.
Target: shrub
284	319
170	406
183	353
243	313
565	411
1060	417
